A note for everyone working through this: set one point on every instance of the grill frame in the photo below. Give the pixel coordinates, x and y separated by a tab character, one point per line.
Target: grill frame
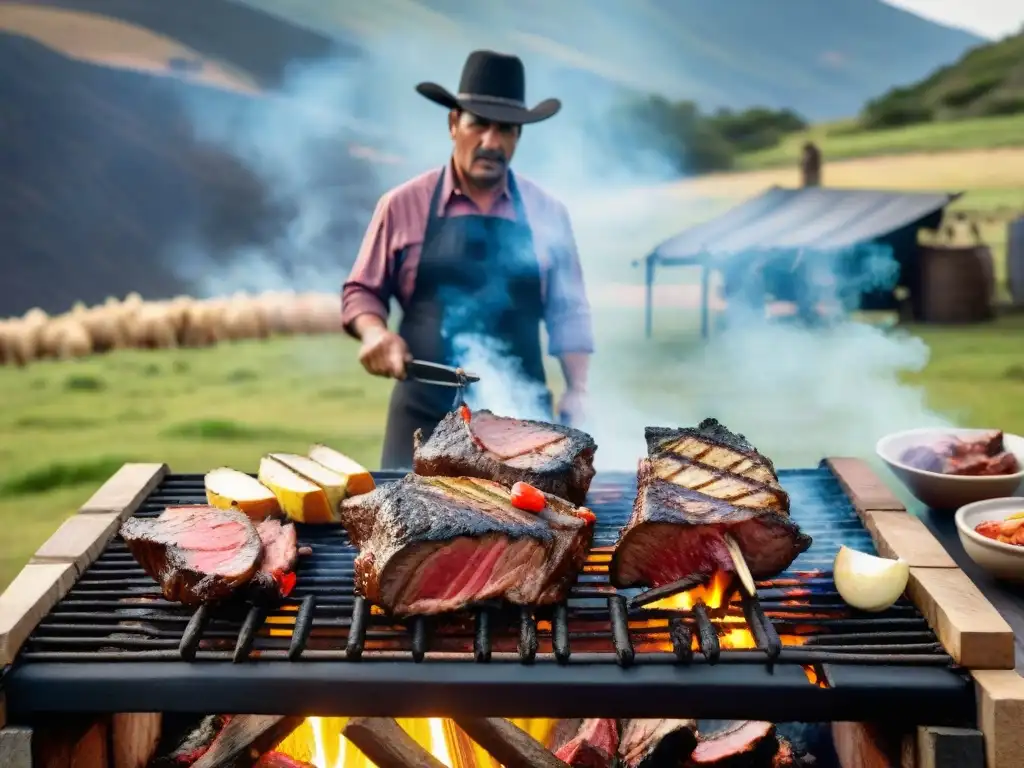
745	684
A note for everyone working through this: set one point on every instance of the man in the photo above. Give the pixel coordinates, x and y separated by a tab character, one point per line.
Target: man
470	251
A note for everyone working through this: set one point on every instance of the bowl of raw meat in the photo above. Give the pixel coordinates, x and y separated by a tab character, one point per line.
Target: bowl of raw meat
948	468
992	533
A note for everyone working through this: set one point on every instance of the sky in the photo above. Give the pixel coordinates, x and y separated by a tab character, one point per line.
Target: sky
990	18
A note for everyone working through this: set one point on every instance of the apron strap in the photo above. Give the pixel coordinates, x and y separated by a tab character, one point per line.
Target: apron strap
433	220
517	200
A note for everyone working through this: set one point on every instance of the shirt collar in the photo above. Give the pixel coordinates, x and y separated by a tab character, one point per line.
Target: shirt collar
450	190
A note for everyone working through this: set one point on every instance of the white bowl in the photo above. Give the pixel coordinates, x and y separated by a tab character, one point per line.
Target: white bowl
1004	561
940	491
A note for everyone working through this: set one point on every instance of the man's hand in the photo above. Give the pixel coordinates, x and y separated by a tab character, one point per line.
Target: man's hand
572	407
384	353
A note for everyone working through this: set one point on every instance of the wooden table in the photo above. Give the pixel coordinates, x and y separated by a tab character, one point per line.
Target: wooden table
1008	599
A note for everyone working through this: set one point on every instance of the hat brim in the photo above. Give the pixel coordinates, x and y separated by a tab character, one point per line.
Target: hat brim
498	113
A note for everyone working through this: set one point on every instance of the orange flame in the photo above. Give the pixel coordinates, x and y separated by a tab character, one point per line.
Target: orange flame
712	594
733	631
319	741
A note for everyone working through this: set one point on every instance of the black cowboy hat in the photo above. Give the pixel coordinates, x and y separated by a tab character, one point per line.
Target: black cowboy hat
493	86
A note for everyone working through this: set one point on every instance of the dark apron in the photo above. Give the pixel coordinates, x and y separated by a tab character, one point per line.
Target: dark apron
477	275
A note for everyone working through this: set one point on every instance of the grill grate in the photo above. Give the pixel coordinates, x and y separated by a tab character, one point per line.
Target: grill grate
115	614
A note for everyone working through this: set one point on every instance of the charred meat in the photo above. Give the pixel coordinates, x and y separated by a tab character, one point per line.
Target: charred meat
435	544
980	456
196	554
201	554
656	743
557	459
594	745
696	486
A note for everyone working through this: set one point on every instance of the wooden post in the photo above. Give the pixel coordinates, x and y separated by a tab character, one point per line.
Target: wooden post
71	742
57	564
1000	695
15	747
134	737
125	491
970	628
27	600
867	745
950	748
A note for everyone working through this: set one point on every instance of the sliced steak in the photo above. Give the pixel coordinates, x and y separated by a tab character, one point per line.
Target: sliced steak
435	544
595	744
557	459
276	576
656	743
196	554
745	744
697	485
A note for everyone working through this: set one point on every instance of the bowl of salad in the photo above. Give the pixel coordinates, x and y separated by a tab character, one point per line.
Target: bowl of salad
992	534
947	468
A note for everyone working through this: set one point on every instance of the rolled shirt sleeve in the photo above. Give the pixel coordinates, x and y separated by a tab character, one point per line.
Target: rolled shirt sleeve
567	311
368	289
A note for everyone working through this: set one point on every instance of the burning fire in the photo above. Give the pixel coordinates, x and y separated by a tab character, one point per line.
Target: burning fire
733	631
319	742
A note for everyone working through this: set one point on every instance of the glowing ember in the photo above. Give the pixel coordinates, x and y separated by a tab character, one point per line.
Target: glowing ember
814	677
281	626
319	741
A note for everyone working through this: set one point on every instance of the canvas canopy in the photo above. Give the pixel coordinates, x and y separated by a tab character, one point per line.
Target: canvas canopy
785	221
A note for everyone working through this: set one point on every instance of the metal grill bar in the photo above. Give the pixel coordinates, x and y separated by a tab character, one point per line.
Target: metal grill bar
114	614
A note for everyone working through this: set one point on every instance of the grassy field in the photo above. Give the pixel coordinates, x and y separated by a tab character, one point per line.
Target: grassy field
65	427
842	140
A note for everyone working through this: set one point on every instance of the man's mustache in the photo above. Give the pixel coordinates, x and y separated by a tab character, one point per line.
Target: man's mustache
495	156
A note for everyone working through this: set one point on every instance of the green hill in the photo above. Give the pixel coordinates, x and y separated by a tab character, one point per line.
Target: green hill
987	80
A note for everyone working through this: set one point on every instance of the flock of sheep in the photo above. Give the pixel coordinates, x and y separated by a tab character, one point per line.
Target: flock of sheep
179	322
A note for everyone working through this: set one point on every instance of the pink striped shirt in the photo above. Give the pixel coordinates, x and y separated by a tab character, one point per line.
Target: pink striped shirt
398	225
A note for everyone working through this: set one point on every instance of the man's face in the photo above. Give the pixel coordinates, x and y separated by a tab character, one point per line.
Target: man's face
483	149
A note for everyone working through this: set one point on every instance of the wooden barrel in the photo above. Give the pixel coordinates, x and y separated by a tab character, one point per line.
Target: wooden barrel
1015	259
957	284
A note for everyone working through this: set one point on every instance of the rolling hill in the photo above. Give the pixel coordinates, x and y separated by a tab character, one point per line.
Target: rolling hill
823	59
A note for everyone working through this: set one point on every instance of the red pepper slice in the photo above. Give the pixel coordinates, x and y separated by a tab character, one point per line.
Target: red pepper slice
586	515
528	498
285	582
466	414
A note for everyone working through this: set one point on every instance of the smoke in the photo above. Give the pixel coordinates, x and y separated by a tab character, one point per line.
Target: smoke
798	393
503	387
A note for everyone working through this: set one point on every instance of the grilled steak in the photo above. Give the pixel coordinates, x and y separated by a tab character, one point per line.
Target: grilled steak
594	745
434	544
559	460
748	743
696	486
276	576
656	743
196	554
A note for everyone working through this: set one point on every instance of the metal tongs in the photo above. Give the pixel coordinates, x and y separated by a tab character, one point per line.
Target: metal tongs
441	376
